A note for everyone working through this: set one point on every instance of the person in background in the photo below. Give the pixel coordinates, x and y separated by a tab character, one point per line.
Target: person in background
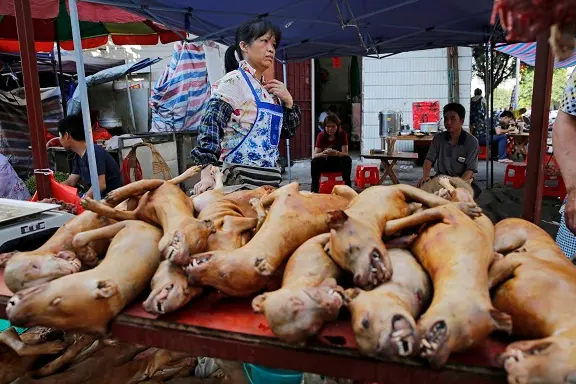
478	115
564	143
11	186
522	120
331	110
246	115
331	153
499	135
72	138
453	152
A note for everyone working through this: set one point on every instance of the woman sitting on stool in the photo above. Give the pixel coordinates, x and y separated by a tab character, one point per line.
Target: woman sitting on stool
331	152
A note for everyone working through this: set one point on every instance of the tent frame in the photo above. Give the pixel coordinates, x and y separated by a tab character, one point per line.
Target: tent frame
540	101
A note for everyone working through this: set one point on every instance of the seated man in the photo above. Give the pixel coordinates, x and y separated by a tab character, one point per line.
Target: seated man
72	138
331	153
499	135
454	152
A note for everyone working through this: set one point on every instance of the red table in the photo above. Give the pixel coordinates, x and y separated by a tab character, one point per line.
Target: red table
229	330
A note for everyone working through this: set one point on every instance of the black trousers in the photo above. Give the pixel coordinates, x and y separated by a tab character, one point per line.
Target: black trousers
331	164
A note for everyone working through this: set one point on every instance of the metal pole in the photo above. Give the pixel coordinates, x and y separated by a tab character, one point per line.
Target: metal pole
487	82
532	201
492	62
84	98
313	102
131	106
285	73
33	99
61	75
517	93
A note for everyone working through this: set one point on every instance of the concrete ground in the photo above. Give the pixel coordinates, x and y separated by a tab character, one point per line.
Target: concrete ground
498	202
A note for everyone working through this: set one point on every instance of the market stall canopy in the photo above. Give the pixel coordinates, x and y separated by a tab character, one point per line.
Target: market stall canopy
44	60
526	52
98	22
330	27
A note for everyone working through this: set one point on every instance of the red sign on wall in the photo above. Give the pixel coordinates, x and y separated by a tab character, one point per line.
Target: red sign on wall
336	62
425	112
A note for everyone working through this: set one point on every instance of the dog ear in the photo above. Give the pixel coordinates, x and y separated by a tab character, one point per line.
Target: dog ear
350	295
258	302
105	289
336	218
210	225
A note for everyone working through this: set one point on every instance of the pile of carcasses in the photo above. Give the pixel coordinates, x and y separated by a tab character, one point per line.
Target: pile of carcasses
48	356
422	274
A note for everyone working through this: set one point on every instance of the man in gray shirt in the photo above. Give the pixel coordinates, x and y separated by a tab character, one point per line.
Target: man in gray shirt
454	152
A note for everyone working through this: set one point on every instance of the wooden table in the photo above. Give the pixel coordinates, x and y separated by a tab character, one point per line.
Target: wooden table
520	142
228	329
415	138
389	161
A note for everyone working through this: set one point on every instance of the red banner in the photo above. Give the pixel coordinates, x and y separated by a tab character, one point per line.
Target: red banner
425	112
336	62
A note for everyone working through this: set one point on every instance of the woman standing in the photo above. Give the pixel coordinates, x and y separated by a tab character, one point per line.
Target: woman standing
246	116
331	152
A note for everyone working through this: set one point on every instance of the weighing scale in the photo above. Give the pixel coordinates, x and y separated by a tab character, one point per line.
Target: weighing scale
24	223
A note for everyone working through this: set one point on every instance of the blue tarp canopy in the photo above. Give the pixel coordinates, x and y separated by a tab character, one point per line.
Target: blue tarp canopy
324	28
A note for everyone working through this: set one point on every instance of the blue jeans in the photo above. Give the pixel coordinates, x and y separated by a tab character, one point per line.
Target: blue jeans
502	142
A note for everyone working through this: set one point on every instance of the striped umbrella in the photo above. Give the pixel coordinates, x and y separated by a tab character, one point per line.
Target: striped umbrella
526	52
124	28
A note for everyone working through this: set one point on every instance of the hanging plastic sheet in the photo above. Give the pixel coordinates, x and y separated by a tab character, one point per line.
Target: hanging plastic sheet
14	129
180	95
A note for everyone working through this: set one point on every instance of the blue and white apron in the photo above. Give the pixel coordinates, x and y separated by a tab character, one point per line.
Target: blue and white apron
565	239
253	160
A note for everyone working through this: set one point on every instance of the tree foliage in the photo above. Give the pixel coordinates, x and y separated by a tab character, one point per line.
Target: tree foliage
504	67
502	98
559	79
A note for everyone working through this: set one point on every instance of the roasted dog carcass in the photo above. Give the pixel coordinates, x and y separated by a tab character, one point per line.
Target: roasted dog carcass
456	251
163	203
18	353
57	257
309	296
170	290
536	284
383	318
293	218
87	301
356	232
524	20
438	183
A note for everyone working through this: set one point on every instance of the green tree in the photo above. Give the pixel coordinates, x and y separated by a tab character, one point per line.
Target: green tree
504	67
559	79
502	98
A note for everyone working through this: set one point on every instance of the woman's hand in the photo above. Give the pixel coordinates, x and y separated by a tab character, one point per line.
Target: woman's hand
331	152
278	89
206	181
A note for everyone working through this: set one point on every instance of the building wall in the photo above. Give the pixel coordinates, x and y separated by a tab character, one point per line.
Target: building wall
394	83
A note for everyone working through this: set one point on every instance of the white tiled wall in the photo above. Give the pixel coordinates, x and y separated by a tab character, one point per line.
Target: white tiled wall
400	80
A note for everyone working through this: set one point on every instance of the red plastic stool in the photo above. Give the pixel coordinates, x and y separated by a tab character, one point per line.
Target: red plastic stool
515	174
483	153
373	177
331	179
554	186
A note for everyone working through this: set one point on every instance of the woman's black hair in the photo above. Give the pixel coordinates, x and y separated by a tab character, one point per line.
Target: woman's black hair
248	32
